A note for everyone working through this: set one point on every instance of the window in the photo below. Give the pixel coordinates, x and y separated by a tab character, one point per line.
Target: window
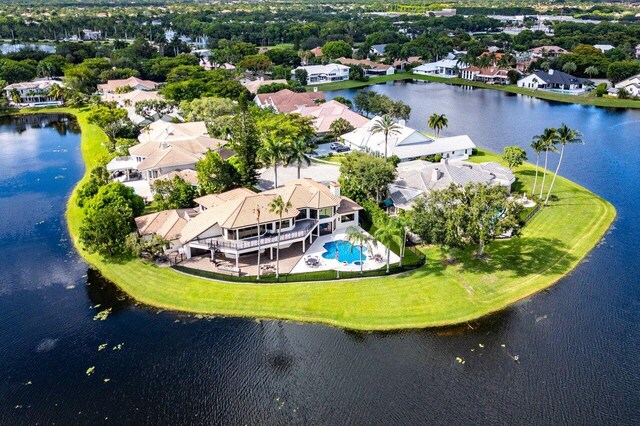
348	218
285	223
325	213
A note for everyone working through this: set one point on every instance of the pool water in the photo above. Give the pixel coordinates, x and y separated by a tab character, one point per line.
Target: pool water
346	251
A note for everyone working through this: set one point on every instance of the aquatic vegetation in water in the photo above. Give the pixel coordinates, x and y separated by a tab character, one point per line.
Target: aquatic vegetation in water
46	345
106	380
118	347
102	315
460	360
102	346
90	370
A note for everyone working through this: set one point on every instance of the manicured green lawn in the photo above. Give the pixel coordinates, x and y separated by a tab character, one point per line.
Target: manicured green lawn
588	99
553	243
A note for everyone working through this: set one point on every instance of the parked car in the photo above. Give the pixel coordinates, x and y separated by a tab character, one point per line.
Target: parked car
343	148
334	146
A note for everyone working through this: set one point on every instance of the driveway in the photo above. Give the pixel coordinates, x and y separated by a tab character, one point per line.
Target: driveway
320	172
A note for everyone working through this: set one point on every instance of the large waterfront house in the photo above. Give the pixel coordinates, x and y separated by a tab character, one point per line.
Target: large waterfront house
370	68
134	83
554	80
631	85
320	74
286	100
407	144
35	93
547	52
227	224
420	177
254	85
488	75
326	113
447	68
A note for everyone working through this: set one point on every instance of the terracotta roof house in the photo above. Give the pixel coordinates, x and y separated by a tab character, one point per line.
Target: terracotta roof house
167	224
418	177
188	175
228	225
489	75
317	51
554	80
326	113
287	100
133	82
253	86
408	144
400	64
370	68
547	51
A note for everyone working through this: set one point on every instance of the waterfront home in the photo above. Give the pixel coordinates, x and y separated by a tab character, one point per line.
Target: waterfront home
287	100
547	52
33	93
419	177
631	85
443	68
320	74
488	75
128	101
230	227
134	83
407	144
371	69
555	81
401	64
167	224
326	113
254	86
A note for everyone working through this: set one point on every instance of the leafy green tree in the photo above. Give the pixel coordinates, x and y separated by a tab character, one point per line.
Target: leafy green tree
437	122
272	87
257	63
569	67
301	76
387	127
299	151
215	175
273	151
111	120
356	73
16	71
186	72
565	136
339	127
619	71
513	76
344	101
151	108
279	207
51	66
363	176
287	127
287	57
85	76
514	156
592	71
336	49
173	193
217	113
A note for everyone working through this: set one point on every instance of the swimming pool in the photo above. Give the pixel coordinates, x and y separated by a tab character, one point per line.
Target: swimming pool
344	250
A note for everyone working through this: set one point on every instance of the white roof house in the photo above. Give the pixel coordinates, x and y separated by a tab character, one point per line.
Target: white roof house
408	143
418	177
442	68
604	47
34	93
631	85
319	74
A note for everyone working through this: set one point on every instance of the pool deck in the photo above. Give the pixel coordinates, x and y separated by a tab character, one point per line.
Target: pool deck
317	249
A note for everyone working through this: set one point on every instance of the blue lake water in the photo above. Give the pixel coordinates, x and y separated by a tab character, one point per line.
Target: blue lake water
578	342
346	252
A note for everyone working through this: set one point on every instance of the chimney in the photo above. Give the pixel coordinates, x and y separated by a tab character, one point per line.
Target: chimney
334	188
402	123
550	71
435	174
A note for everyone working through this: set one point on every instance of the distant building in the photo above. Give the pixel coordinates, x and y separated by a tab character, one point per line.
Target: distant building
547	52
328	112
554	80
133	82
631	85
489	75
378	49
371	68
91	35
320	74
443	68
443	12
286	100
604	47
33	93
317	51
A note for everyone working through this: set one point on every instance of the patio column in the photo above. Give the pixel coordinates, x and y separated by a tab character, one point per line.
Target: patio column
271	253
304	245
237	260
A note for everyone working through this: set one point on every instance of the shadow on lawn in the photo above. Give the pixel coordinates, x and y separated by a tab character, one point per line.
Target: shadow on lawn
522	256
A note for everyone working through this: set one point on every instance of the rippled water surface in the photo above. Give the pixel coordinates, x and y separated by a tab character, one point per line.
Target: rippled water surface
578	342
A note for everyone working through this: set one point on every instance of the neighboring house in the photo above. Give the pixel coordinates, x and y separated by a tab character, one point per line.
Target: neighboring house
631	85
554	80
286	100
228	226
378	49
188	175
128	101
443	12
326	113
401	64
604	47
91	35
370	68
443	68
33	93
320	74
317	51
489	75
408	144
167	224
134	82
253	86
419	177
547	52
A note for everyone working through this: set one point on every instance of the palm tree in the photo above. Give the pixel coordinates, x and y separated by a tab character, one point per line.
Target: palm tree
537	147
55	91
565	135
386	126
272	152
299	152
358	238
279	206
569	67
547	139
15	96
438	122
591	71
386	233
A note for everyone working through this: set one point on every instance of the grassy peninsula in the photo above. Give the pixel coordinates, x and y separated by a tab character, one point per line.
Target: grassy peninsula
552	244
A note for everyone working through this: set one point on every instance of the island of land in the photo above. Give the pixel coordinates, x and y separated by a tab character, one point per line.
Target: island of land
552	244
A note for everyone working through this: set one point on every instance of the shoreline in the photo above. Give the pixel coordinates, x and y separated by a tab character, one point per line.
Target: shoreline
603	102
434	295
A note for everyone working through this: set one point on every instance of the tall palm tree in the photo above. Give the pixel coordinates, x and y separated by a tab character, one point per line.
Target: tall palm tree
591	71
387	127
272	152
55	91
565	136
299	152
537	147
548	139
438	122
279	206
15	96
387	232
358	238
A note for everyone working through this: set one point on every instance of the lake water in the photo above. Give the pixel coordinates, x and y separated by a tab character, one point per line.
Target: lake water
578	342
14	48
